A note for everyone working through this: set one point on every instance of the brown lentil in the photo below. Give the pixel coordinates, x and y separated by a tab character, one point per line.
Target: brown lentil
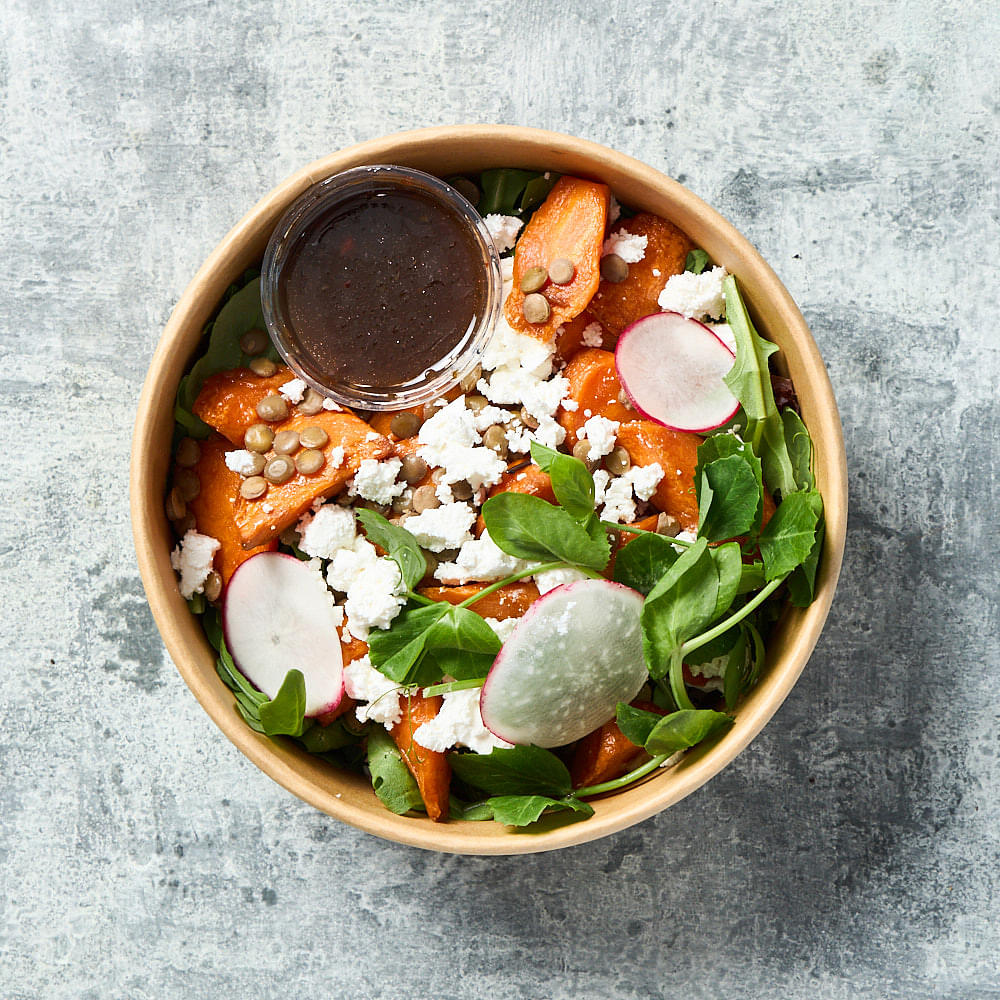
495	438
476	403
536	308
469	382
667	524
212	586
413	469
461	490
253	342
272	408
257	464
561	271
313	437
286	443
618	462
581	450
263	367
279	470
533	279
467	189
184	525
432	564
258	438
252	488
527	419
187	483
309	461
613	269
188	453
405	424
290	536
176	508
425	498
312	403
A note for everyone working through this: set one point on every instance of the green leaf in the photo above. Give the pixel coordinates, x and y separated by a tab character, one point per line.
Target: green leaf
751	577
642	562
696	261
802	580
503	190
735	665
800	448
790	535
396	651
572	483
685	729
522	810
391	779
530	528
729	565
323	739
462	644
400	545
636	723
284	714
522	770
536	191
729	498
679	606
719	446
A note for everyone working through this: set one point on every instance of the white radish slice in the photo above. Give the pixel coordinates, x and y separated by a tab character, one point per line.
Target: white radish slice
277	615
574	655
671	368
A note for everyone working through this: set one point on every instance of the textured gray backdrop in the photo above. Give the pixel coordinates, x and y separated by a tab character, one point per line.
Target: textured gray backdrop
852	851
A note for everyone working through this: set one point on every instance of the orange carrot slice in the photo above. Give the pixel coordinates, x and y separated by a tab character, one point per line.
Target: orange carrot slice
569	224
510	601
605	753
228	401
430	768
594	385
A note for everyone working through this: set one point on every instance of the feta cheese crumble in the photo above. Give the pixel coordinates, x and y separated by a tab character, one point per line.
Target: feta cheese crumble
294	391
593	335
601	435
445	527
504	230
458	723
479	559
373	586
629	246
376	481
553	578
327	530
696	296
364	683
241	462
193	560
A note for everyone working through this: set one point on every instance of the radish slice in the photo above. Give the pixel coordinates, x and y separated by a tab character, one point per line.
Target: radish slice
574	655
277	616
685	390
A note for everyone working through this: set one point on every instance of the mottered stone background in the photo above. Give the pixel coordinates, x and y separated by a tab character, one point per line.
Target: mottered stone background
851	851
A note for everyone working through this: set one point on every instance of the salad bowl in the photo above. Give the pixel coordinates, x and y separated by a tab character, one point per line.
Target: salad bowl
447	151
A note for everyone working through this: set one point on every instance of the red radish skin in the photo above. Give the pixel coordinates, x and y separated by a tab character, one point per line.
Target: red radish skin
574	655
686	392
278	615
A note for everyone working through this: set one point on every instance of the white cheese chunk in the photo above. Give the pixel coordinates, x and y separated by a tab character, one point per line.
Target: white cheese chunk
445	527
376	481
629	246
294	391
697	296
379	695
458	723
193	560
327	530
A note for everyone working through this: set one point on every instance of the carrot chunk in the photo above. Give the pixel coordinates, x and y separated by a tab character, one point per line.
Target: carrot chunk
616	306
510	601
528	479
677	454
228	401
594	385
213	507
569	224
605	753
431	768
283	504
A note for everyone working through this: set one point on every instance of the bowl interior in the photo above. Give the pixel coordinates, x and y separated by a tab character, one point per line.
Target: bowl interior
444	151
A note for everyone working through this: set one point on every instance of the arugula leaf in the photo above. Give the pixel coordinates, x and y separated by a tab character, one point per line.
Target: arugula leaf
696	261
643	561
679	606
729	498
800	448
802	579
790	535
400	545
530	528
284	714
522	810
572	483
729	565
391	779
636	723
396	652
685	729
522	770
462	644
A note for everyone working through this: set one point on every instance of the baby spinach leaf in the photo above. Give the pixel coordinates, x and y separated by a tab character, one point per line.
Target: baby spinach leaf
735	665
396	651
572	483
729	498
685	729
284	714
642	562
800	448
802	579
790	535
696	261
536	191
522	810
400	545
391	779
636	723
462	644
729	565
751	577
503	190
679	606
323	739
530	528
522	770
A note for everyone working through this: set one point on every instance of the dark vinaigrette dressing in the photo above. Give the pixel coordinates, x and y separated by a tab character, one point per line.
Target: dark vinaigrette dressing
383	287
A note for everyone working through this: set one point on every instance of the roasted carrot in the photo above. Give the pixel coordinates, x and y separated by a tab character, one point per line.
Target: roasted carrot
569	224
431	768
615	306
228	401
510	601
594	386
605	753
522	479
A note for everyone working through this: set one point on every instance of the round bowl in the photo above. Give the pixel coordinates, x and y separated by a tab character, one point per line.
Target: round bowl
455	150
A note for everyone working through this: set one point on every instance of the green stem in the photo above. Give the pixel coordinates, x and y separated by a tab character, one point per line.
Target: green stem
626	779
762	595
632	530
530	571
419	598
448	686
677	686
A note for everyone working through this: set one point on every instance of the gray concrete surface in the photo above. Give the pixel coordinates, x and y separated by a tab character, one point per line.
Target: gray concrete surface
852	851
